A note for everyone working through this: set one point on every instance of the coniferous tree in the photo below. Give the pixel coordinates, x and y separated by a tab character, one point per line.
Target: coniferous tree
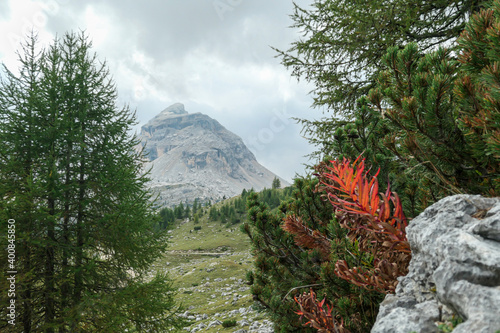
284	269
71	177
213	213
18	190
276	183
196	206
432	133
341	54
428	121
414	125
167	216
478	92
179	211
415	95
343	41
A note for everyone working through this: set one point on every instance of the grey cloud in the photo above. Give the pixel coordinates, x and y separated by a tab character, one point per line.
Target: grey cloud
172	29
203	56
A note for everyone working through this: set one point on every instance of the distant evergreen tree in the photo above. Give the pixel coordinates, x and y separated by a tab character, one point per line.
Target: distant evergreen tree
276	183
232	218
213	213
195	206
167	217
179	211
240	205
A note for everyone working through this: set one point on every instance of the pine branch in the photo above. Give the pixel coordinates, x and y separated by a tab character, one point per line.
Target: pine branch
306	237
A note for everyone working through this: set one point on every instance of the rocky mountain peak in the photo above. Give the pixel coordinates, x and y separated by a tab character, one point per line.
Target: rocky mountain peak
173	111
177	108
193	156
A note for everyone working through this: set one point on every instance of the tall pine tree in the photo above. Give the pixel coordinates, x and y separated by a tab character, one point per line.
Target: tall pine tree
71	178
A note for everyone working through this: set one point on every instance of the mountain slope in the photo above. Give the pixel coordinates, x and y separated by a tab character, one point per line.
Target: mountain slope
193	156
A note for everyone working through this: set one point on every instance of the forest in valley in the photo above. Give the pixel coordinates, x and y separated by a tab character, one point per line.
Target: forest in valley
411	90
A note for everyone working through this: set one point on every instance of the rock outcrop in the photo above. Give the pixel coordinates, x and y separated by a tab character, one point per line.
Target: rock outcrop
194	156
454	271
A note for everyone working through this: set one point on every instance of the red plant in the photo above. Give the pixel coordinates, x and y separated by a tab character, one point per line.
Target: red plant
377	228
306	237
376	223
350	191
373	225
319	317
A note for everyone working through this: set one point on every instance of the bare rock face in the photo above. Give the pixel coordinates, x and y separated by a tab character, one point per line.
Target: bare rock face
455	269
193	156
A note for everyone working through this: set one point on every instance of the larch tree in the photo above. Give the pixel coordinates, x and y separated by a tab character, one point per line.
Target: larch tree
344	41
71	177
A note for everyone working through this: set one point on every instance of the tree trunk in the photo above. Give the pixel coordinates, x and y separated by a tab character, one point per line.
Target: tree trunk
49	270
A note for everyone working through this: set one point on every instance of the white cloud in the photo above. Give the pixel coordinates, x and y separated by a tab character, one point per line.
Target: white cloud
98	26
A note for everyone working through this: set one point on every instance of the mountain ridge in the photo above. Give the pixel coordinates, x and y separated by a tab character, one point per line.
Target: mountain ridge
192	156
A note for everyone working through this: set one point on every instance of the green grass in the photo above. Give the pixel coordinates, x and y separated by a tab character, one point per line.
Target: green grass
196	259
212	236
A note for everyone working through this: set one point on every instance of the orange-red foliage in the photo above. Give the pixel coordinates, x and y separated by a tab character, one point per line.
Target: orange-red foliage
319	317
306	237
367	213
375	221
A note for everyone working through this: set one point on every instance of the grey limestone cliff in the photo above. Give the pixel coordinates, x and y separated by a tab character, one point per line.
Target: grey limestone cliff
454	270
193	156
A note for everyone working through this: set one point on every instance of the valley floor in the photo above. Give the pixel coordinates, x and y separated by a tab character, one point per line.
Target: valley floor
208	267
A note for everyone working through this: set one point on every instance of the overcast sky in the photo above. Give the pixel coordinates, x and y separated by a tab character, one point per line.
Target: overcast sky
214	56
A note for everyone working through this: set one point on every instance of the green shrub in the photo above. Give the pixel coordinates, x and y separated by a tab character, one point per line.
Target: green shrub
274	275
197	228
229	323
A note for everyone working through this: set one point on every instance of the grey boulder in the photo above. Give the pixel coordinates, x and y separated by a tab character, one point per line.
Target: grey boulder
454	270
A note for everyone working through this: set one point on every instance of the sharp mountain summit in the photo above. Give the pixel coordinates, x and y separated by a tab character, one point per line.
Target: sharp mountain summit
193	156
